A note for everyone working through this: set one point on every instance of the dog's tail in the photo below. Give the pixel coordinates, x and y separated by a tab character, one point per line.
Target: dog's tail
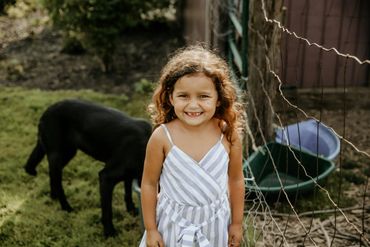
35	158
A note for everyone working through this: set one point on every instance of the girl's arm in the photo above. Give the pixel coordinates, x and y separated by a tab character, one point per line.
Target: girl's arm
149	186
236	191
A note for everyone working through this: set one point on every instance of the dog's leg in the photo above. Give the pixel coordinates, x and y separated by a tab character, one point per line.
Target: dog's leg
130	207
35	158
107	184
57	161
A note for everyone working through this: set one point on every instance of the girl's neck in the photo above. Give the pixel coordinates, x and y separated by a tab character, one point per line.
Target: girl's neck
196	129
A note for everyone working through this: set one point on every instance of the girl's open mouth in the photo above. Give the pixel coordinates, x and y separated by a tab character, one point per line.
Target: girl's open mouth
193	114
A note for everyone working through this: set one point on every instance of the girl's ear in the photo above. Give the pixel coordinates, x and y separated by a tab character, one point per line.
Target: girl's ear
218	103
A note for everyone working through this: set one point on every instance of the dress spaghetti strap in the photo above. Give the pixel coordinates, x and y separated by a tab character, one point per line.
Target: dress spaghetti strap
167	133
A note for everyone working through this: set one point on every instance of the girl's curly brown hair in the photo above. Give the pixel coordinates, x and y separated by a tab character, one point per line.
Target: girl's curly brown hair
197	59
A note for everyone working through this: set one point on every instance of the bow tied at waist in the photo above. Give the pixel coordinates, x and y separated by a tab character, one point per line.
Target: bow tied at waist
192	234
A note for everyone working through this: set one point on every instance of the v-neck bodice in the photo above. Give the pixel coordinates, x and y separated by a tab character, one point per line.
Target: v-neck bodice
217	145
181	170
209	152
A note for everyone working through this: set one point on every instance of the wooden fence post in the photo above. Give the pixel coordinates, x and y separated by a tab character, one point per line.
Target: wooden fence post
264	55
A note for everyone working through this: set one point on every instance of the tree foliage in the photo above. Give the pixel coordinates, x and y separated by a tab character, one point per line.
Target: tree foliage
98	23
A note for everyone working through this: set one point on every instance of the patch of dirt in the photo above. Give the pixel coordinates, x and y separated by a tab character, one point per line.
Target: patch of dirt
31	56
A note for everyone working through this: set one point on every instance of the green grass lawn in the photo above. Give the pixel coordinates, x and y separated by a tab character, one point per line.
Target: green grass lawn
28	216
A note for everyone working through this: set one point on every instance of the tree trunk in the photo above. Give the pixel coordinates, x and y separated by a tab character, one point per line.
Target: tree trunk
264	55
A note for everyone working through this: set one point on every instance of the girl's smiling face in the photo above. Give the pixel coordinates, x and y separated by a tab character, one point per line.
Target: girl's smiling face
194	99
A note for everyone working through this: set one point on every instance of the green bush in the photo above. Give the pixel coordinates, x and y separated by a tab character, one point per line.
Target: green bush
98	23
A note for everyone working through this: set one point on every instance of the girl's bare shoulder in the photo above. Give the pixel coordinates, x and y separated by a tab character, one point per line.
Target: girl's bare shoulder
235	142
158	135
160	140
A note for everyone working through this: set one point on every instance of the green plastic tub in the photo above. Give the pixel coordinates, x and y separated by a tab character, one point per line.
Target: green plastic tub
261	175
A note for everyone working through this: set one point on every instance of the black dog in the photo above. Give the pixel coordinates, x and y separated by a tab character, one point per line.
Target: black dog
103	133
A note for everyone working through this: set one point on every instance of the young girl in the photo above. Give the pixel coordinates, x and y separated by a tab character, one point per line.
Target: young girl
194	156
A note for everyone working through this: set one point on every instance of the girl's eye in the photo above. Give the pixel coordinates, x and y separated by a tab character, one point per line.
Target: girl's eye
204	96
182	96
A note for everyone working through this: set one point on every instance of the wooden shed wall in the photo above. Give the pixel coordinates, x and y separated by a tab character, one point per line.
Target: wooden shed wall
343	24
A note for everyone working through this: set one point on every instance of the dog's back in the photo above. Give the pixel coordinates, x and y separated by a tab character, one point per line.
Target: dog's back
96	130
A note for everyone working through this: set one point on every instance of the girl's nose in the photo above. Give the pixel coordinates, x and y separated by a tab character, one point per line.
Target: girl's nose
193	102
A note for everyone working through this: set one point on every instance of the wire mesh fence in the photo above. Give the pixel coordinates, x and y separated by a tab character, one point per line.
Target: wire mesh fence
335	212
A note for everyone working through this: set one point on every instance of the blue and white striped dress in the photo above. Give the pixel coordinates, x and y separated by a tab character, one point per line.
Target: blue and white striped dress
193	206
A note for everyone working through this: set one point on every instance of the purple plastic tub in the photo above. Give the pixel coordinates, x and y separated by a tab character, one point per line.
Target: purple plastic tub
311	136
